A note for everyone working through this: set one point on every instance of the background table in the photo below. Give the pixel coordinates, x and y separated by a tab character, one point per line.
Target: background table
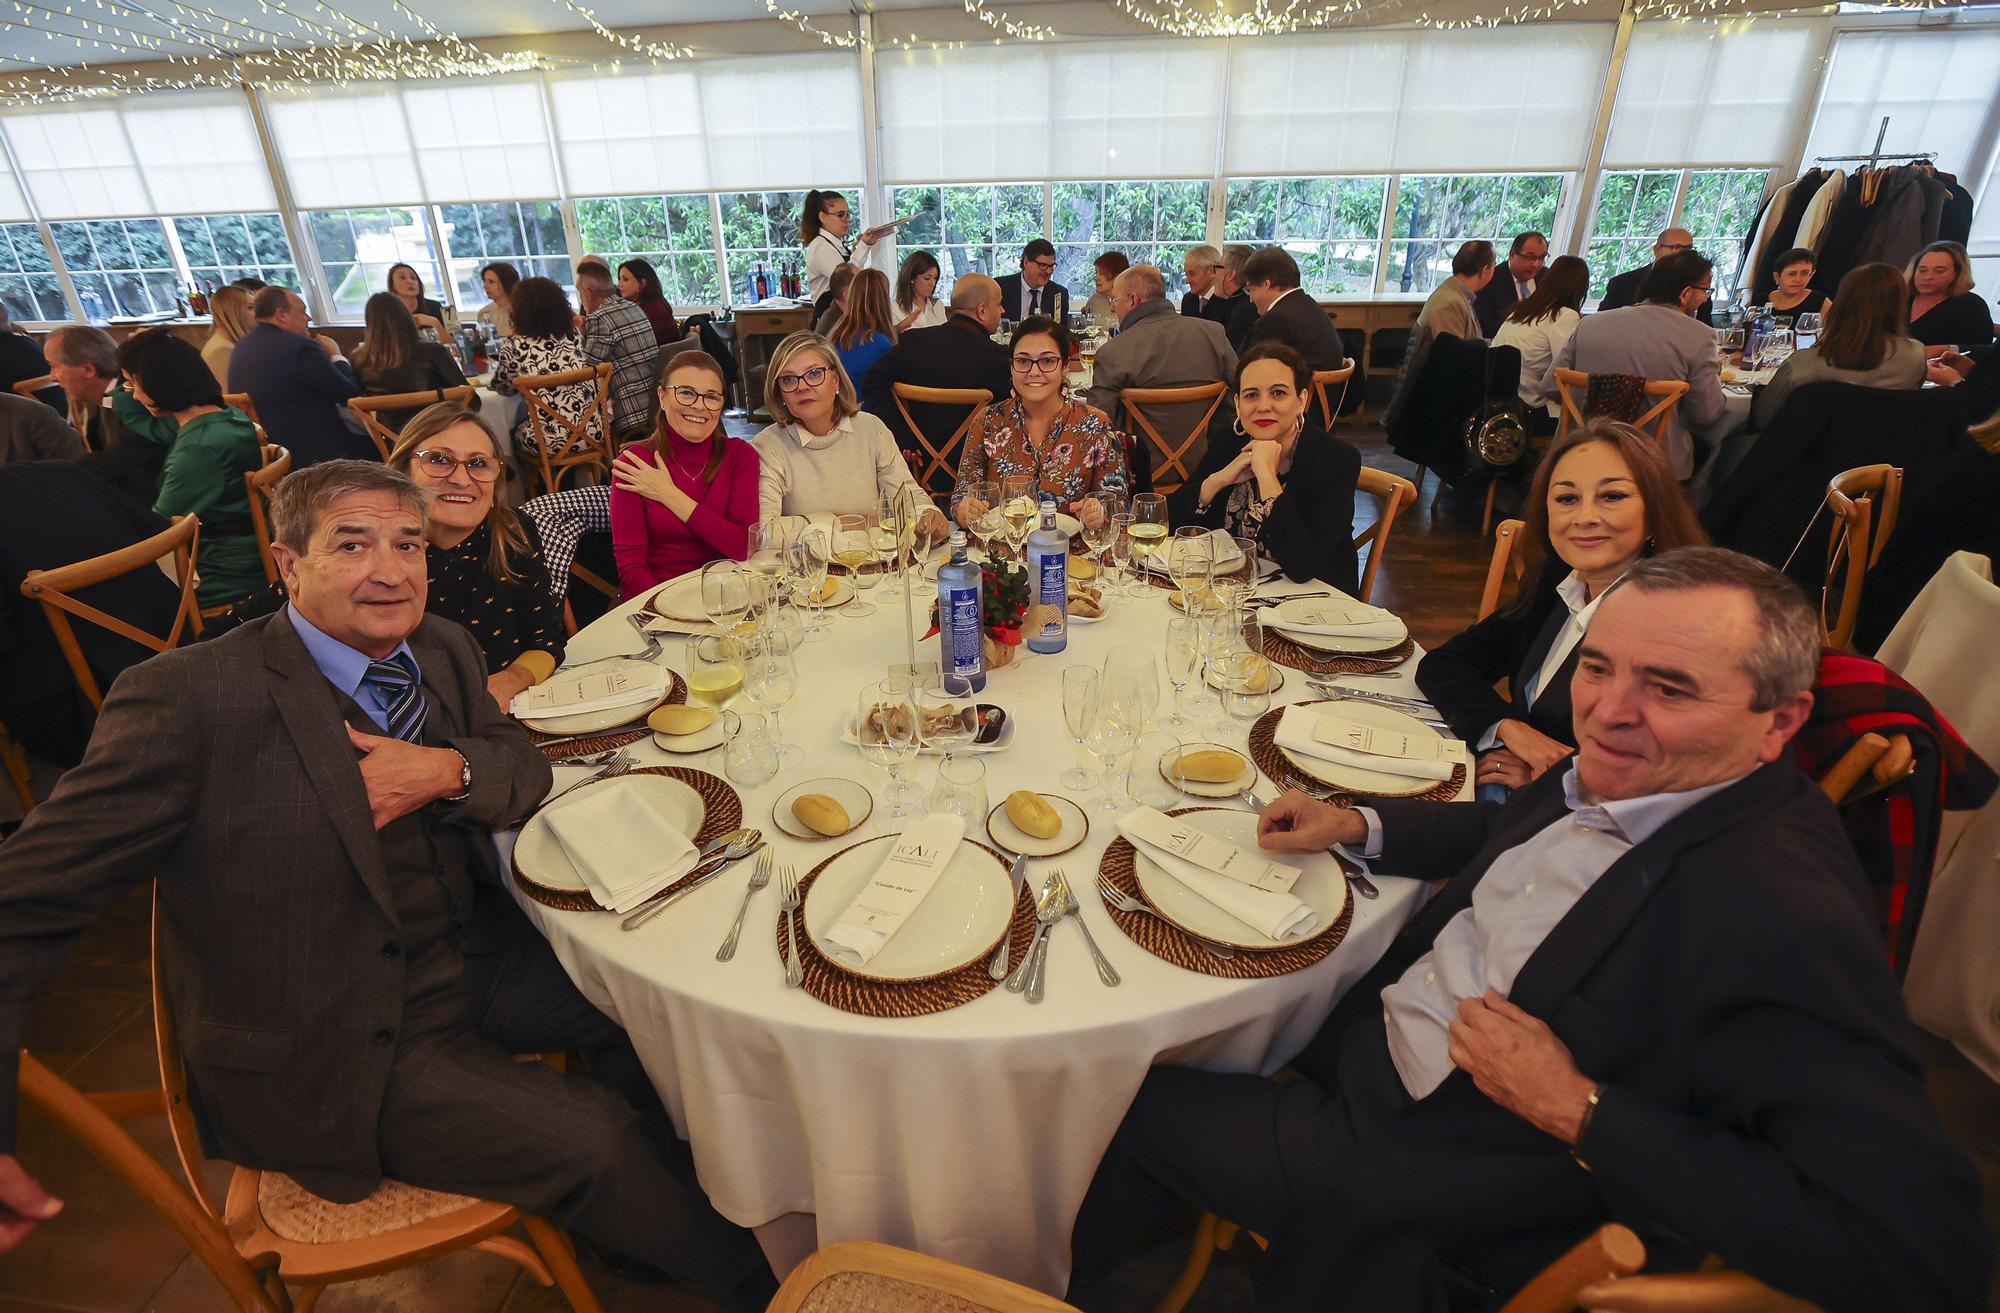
970	1134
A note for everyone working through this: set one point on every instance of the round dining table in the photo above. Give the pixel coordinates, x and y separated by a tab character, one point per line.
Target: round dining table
970	1134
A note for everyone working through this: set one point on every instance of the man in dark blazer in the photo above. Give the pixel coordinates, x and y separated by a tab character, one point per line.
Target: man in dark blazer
1202	267
1228	304
299	383
31	431
1626	288
1032	291
1286	314
959	353
315	795
1513	281
1652	992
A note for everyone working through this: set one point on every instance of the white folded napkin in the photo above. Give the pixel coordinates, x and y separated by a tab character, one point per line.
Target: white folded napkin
1296	734
917	857
624	850
1279	915
1339	617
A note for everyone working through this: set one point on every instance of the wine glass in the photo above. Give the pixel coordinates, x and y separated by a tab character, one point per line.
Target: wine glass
852	550
1777	347
891	742
1121	552
1183	656
1807	330
1245	674
715	670
1098	540
1235	585
1112	727
1191	565
960	789
882	539
1017	497
771	679
1149	527
765	561
949	708
724	595
1137	668
805	568
1079	689
990	520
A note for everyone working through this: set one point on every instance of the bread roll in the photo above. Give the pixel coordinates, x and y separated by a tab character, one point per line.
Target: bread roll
821	814
1210	766
681	720
1032	814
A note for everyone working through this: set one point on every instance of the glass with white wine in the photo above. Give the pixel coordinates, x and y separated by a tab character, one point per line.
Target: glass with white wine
852	550
715	670
765	561
1148	530
1019	509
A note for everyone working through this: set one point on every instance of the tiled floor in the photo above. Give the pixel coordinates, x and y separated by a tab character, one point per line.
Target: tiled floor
109	1253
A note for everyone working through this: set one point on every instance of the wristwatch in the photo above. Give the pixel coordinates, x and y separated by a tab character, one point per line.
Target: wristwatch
464	778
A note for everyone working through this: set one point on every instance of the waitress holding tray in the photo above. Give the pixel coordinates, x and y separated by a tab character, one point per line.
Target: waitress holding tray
823	228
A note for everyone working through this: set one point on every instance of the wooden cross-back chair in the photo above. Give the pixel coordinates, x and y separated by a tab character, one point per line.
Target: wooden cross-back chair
863	1274
563	444
28	387
369	410
940	456
1170	466
1395	492
257	485
1865	502
1506	560
1571	385
242	402
54	589
1334	381
15	758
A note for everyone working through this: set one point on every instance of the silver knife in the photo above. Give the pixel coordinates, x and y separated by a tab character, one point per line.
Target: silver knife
1401	703
701	877
997	967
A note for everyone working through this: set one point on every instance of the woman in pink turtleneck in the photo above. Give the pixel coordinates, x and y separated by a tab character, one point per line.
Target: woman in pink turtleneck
689	496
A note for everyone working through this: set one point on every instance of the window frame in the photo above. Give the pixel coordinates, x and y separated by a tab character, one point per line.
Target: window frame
712	251
428	265
1684	175
116	311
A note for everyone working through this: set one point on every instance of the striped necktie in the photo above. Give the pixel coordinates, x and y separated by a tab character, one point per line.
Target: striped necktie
405	707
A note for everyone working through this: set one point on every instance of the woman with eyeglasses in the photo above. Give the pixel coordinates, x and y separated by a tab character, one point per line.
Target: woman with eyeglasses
825	456
1039	432
823	230
486	570
687	496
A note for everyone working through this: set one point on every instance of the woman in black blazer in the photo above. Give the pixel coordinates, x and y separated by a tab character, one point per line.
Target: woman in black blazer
1274	475
1601	498
393	359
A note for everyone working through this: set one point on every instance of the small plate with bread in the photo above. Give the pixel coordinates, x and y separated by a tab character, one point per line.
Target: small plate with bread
823	809
1208	770
1037	824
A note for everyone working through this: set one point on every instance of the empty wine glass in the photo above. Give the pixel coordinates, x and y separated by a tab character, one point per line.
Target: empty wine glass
765	560
1182	650
724	594
885	729
852	550
1079	689
1807	330
988	521
1191	565
1137	668
1112	727
1098	540
949	707
771	679
1121	552
805	567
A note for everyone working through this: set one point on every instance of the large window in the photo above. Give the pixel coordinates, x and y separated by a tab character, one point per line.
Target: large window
970	229
356	248
1150	222
221	248
120	267
526	234
1331	226
28	284
759	227
1633	205
674	233
1718	209
1438	213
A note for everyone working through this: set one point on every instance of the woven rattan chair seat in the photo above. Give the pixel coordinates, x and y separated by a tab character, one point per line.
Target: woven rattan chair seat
297	1214
867	1292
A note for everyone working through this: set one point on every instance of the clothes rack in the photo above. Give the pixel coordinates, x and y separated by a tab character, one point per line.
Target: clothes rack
1874	157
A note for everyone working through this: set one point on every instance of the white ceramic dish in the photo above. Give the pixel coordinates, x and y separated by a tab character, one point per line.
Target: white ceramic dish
1203	789
1001	744
1321	886
1355	779
541	857
1277	678
595	722
680	599
957	924
1075	829
850	794
1335	645
709	736
843	593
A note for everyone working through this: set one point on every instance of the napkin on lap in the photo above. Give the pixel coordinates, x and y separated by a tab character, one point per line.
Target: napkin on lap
1281	916
624	850
1339	617
915	860
1295	733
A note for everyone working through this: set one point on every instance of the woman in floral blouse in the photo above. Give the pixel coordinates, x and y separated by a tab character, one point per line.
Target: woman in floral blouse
545	342
1067	447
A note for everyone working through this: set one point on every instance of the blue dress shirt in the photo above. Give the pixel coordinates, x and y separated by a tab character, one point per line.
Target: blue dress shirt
347	668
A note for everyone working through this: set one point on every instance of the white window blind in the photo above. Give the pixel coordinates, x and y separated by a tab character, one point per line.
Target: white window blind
1485	101
343	148
721	125
1125	110
482	141
78	164
1702	93
13	202
1936	88
199	153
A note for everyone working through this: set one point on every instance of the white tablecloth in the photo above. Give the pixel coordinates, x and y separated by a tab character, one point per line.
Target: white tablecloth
969	1134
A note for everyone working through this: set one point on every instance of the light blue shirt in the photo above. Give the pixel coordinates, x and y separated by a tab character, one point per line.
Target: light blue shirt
345	668
1527	891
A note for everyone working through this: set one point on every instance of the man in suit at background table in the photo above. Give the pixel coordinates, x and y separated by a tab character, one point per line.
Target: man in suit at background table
1626	288
1653	992
299	383
315	794
1451	307
959	353
1202	265
1515	281
1285	313
1229	305
1033	291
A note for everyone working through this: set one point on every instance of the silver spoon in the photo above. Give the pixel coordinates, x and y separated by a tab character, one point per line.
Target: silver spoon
734	852
1052	907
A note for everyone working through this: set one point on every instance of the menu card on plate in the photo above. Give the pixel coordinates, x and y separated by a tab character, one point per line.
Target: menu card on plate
1177	835
1274	912
598	689
916	859
1340	616
1344	742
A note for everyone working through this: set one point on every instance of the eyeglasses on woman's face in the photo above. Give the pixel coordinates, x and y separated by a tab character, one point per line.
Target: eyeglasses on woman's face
1037	364
439	465
810	378
692	399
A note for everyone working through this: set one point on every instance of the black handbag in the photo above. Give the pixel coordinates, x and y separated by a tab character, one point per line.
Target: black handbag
1495	436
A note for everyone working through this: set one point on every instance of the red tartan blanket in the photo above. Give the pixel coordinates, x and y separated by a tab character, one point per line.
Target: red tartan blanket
1894	831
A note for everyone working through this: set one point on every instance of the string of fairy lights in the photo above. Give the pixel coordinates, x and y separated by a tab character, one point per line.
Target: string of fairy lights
134	46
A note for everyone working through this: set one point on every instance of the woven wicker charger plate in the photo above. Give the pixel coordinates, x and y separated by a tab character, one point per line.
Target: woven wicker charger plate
842	989
722	811
1170	943
1270	759
1315	662
677	695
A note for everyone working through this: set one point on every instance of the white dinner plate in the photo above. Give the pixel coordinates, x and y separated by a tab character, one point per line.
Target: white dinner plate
709	736
958	923
680	599
540	854
1356	779
1335	645
1202	788
1321	887
1000	828
850	794
594	722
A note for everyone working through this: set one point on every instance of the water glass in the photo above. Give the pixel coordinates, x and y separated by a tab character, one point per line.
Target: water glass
1152	754
724	597
1079	690
771	679
1137	668
960	789
892	742
749	748
852	550
1183	649
1112	728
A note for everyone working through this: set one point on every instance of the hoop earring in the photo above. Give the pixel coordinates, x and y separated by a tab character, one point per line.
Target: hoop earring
1237	424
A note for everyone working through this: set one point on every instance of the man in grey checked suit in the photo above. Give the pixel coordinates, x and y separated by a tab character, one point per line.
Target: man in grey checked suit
314	793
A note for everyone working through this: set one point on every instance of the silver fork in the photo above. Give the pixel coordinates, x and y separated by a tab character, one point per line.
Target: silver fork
1125	902
1105	971
617	766
788	883
760	875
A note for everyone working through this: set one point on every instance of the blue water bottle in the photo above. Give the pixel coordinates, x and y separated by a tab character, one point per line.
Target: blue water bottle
961	631
1048	580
